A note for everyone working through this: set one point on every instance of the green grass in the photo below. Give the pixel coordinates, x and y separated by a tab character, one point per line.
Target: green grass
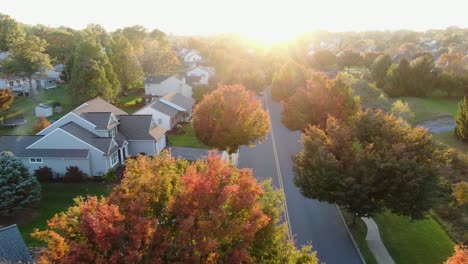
25	106
130	102
429	108
415	242
186	140
448	138
57	197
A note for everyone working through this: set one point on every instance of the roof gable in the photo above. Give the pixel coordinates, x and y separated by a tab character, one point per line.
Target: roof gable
98	105
138	127
12	247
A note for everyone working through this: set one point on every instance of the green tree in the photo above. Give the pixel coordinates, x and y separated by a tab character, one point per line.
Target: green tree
27	58
11	32
424	76
254	81
320	98
136	35
200	91
159	58
229	117
92	73
461	129
398	80
124	62
379	69
60	44
403	110
18	188
322	59
285	82
376	163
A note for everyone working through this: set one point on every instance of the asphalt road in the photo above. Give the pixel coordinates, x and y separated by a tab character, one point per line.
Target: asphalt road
311	221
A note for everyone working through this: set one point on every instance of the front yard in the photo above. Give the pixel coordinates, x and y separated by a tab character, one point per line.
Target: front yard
188	139
56	197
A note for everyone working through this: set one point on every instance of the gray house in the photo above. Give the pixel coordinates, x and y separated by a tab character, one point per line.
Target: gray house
96	137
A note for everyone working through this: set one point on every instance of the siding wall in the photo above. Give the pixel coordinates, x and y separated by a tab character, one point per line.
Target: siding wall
135	147
170	85
59	165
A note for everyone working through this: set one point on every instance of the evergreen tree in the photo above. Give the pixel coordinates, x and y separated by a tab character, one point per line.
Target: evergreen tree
462	120
18	188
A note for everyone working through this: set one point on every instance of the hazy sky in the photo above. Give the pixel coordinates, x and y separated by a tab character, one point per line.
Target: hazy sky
262	18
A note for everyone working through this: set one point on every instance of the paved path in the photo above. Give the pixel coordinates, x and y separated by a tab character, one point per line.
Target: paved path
375	243
310	221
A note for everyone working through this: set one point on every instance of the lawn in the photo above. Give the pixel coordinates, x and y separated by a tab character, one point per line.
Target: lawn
429	108
186	140
57	197
25	106
132	101
415	242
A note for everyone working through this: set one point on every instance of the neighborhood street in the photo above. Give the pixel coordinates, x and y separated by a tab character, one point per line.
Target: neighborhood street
311	221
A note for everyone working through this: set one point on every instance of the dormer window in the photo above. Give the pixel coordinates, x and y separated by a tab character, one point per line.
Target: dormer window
113	132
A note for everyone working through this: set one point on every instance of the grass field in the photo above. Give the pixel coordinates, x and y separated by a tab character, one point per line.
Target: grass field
57	197
359	231
415	242
186	140
25	106
429	108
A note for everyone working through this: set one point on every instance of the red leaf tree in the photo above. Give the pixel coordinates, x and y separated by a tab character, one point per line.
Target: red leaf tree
229	117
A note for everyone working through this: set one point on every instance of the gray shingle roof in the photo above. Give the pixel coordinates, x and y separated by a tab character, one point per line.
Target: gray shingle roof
102	144
191	154
164	108
12	247
18	144
156	79
180	100
100	119
137	127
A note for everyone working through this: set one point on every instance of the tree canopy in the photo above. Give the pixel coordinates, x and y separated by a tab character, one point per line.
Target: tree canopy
377	163
6	99
229	117
379	69
167	211
11	32
461	130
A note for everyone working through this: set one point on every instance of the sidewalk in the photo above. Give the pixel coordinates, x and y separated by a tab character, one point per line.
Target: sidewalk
375	243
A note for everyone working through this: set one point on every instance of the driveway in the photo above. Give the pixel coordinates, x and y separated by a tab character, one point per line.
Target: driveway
311	221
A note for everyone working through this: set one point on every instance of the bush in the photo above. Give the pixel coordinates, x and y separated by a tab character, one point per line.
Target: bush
74	174
110	176
44	174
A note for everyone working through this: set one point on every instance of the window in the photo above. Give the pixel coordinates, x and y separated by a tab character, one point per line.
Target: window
35	160
12	84
114	158
18	81
113	132
159	121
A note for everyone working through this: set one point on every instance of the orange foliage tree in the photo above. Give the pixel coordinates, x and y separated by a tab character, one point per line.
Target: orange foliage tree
459	257
40	124
167	211
228	117
321	98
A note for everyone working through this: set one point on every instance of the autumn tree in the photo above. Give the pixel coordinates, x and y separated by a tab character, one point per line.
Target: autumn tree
459	257
461	130
254	81
11	32
229	117
374	164
286	81
321	59
379	69
6	99
125	62
320	98
349	58
92	73
460	192
167	211
18	188
27	57
40	124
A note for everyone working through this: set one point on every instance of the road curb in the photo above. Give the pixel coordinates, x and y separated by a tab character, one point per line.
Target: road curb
350	235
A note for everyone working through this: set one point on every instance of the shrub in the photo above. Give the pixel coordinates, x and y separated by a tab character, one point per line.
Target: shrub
462	120
44	174
110	176
40	124
74	174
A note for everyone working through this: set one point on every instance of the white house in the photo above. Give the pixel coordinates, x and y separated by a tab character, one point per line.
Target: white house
205	73
161	85
169	110
95	137
190	56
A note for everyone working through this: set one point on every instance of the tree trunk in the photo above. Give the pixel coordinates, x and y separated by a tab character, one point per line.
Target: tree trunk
31	88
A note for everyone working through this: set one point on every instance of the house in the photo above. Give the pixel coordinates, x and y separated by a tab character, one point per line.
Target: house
12	246
19	86
190	56
96	137
204	72
160	85
169	110
43	110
